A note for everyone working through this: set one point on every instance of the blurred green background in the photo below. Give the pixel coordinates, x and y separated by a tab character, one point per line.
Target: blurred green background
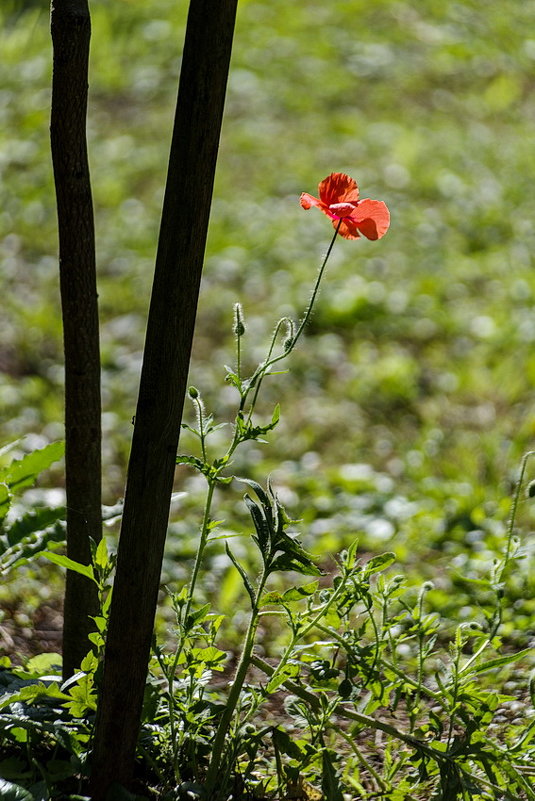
410	401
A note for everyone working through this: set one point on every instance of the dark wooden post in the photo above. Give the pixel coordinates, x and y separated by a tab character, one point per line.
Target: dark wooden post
179	260
71	32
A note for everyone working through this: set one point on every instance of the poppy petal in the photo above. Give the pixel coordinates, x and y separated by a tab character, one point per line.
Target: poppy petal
347	228
372	218
307	201
338	188
342	210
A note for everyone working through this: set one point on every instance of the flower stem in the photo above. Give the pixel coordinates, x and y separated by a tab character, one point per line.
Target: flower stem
516	498
308	312
260	372
183	633
235	690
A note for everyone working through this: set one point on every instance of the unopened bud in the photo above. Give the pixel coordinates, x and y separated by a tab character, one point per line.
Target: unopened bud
193	392
239	324
531	489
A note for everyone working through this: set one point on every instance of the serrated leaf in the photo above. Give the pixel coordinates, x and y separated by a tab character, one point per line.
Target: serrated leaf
352	554
29	536
501	660
184	458
245	578
23	472
33	522
264	499
89	662
261	525
209	655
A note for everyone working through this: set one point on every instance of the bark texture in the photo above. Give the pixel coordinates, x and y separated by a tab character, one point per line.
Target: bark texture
179	260
71	33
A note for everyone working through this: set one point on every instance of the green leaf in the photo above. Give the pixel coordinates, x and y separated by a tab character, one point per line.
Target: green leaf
289	671
12	768
70	564
5	501
264	499
293	594
101	554
82	696
233	378
216	427
501	660
378	563
297	563
286	744
329	781
14	792
23	472
43	664
34	522
245	578
184	458
261	525
273	597
210	655
29	537
89	662
197	616
59	769
28	693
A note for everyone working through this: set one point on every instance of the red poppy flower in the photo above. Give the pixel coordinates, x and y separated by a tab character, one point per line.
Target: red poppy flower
339	200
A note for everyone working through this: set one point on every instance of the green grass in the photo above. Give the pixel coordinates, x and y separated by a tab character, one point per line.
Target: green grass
409	401
418	363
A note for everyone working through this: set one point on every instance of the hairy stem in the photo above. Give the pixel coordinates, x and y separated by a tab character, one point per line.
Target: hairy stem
235	691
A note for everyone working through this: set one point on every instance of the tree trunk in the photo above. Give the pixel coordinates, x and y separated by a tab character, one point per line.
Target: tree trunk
71	32
179	260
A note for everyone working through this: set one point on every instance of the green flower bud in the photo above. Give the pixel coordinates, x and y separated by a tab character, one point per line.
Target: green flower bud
239	324
288	344
193	392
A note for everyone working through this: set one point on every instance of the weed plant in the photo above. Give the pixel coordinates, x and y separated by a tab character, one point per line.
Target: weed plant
343	686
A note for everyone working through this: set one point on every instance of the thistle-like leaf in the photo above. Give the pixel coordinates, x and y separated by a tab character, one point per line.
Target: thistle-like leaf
245	578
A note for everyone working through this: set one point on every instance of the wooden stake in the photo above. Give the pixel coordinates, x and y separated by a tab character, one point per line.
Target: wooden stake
71	32
179	261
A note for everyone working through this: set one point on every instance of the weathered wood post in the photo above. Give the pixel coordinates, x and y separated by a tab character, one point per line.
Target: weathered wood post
70	25
179	260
